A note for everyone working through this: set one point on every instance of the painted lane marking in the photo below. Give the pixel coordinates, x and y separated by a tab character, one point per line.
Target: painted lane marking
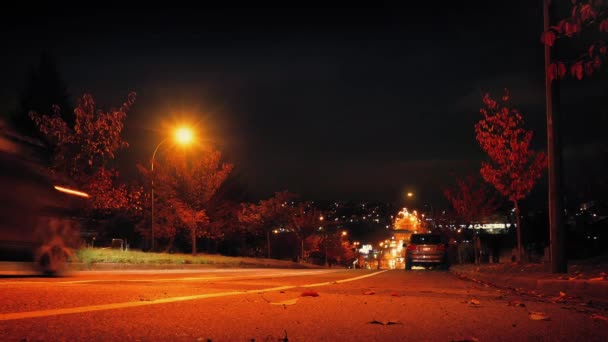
243	276
281	274
344	280
102	307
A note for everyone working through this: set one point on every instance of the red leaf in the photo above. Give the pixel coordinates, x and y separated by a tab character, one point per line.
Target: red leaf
597	63
599	317
591	48
576	70
571	28
489	102
559	28
574	8
369	292
395	294
589	68
587	12
547	38
604	26
310	293
603	50
561	70
506	95
551	71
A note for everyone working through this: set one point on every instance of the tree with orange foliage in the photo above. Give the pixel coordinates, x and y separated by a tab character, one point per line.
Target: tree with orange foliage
81	153
471	201
267	215
304	221
185	183
513	168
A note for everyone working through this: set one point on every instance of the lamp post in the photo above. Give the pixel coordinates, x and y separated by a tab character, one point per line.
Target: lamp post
183	136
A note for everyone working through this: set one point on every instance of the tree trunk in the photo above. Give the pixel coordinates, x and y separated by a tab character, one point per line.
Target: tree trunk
268	244
169	245
194	241
518	222
302	249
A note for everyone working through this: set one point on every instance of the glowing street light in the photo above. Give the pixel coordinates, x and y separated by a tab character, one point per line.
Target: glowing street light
410	194
183	136
344	233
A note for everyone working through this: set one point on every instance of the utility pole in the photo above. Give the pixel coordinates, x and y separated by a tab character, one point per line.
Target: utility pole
559	263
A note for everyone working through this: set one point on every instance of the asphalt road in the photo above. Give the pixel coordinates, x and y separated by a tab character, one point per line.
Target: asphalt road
267	305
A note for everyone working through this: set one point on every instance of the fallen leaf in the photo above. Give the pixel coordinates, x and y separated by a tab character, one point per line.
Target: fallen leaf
286	302
516	304
395	294
538	316
562	294
389	322
474	302
369	292
310	293
599	317
597	279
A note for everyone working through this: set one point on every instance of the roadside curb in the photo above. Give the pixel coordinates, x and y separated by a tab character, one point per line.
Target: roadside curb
597	290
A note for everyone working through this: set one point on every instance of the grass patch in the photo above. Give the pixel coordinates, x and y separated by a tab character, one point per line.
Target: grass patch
90	256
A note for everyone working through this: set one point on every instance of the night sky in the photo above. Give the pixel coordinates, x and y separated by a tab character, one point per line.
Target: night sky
329	103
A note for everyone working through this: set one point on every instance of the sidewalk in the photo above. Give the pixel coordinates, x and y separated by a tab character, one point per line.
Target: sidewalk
589	281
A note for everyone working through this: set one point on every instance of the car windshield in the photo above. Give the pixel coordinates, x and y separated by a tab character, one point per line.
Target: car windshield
428	239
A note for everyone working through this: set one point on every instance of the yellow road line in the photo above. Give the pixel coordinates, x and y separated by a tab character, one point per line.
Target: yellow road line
101	307
246	276
344	280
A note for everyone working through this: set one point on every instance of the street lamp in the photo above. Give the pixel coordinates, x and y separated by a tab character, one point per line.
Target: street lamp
183	136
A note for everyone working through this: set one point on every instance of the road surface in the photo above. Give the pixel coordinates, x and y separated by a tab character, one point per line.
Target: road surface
267	305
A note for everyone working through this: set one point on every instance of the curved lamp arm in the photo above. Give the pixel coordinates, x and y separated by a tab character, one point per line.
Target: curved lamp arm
154	154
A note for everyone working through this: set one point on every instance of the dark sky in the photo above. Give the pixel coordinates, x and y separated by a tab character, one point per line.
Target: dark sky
329	103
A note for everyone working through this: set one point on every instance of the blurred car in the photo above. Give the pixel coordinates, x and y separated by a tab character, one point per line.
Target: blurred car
426	250
36	212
